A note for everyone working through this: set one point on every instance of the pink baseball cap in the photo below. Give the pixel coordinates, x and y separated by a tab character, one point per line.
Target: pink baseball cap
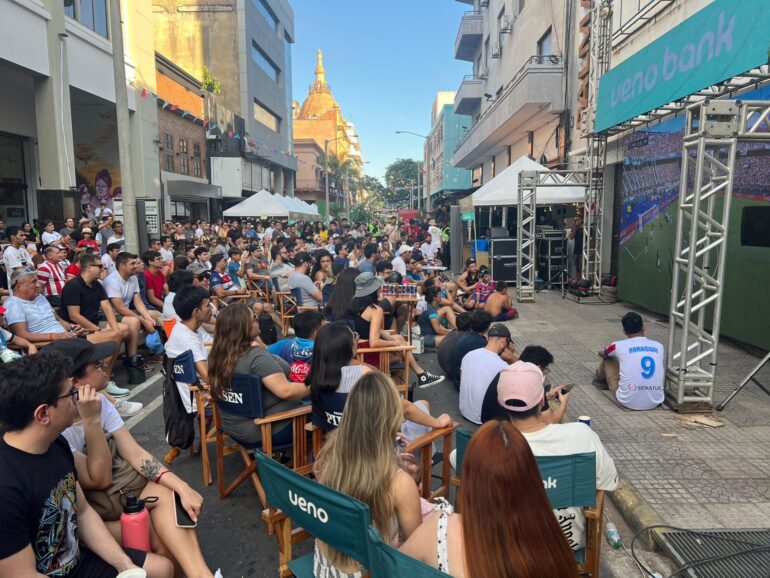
520	386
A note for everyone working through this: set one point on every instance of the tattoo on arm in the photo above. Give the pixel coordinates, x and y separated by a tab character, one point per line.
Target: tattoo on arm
150	469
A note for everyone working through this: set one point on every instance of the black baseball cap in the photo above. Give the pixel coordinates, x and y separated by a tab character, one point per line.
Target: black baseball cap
81	351
499	330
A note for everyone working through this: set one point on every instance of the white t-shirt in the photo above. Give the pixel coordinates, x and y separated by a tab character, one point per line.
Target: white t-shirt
116	287
170	313
14	258
37	314
642	370
167	255
111	422
183	339
399	266
49	238
478	369
109	264
564	439
428	250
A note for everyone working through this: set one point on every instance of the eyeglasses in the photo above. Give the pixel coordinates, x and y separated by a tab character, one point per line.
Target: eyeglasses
74	394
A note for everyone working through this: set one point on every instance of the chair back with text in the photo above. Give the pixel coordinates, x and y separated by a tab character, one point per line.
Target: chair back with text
334	518
328	414
244	398
183	368
389	562
569	481
296	295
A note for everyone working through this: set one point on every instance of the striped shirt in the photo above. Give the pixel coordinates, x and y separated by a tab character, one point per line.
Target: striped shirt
51	276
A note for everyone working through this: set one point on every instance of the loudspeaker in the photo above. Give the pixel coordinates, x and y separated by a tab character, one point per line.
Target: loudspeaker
504	269
755	227
502	247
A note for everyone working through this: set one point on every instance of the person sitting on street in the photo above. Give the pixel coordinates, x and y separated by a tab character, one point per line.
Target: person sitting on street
479	367
520	393
474	338
467	280
500	305
484	288
446	348
154	280
50	274
360	461
432	318
505	528
222	285
233	353
542	358
48	528
110	463
298	351
122	287
634	368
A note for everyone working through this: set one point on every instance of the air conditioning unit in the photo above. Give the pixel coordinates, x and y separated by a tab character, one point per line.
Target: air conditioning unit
483	73
483	3
506	24
496	52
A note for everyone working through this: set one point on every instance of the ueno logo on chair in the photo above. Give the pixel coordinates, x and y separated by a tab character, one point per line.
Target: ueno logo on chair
309	507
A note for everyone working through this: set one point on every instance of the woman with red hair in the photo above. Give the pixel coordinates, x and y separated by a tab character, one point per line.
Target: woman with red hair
507	528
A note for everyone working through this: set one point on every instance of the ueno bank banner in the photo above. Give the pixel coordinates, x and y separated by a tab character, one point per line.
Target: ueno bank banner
724	39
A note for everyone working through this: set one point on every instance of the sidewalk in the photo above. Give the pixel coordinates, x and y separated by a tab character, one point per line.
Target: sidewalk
696	478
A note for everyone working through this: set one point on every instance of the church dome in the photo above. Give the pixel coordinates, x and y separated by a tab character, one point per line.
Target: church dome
320	100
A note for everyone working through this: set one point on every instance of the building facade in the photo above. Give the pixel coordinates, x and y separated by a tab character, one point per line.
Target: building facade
187	193
246	46
517	93
310	174
58	128
444	182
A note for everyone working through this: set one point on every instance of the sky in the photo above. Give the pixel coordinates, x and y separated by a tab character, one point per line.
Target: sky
384	61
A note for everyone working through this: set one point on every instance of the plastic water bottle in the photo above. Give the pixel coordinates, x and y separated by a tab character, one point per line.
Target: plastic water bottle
135	524
613	537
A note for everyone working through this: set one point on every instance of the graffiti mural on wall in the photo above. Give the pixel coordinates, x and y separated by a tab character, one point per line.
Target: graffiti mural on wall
94	130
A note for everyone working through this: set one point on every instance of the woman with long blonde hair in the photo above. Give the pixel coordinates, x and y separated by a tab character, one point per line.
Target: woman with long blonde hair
360	459
507	528
231	353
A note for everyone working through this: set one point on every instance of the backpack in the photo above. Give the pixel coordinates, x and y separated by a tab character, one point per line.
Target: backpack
267	330
179	425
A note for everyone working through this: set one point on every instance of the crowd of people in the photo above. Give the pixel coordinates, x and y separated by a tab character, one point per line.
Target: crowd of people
77	304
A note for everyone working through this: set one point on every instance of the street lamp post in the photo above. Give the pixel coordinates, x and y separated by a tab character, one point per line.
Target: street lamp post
419	171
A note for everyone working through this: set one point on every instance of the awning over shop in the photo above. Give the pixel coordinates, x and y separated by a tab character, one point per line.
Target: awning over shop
503	190
184	187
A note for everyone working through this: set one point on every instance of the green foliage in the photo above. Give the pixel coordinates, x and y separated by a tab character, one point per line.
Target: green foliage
400	177
210	84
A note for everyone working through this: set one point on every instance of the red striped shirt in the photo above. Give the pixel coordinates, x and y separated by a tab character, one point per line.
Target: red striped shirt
51	276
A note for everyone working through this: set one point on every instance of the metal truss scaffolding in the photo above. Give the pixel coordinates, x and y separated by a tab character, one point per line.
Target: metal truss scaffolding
600	49
712	132
529	183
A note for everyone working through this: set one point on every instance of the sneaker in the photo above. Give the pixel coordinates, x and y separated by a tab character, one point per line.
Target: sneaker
116	391
128	408
218	573
427	379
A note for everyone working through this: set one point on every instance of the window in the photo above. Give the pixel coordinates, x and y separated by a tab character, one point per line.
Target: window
196	167
493	173
267	65
521	6
197	150
168	142
184	164
183	145
500	26
263	8
487	53
545	45
170	163
267	118
90	13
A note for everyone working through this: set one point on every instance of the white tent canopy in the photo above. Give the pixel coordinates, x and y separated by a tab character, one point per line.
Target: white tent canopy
261	204
503	190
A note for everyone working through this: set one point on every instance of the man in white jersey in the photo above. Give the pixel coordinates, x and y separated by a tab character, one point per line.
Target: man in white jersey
634	368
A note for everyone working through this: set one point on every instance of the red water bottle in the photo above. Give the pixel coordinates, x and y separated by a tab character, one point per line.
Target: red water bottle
135	524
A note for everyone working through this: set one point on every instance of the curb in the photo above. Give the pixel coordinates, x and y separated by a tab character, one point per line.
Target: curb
637	513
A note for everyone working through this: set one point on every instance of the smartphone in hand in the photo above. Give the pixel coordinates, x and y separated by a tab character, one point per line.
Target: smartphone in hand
182	518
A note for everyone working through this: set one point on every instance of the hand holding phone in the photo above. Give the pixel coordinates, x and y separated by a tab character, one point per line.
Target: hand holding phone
181	517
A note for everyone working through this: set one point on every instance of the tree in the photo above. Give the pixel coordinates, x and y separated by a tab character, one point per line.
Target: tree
343	177
400	178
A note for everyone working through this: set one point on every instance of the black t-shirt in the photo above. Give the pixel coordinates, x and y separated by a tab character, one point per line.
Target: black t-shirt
467	343
233	235
77	292
38	506
446	349
491	409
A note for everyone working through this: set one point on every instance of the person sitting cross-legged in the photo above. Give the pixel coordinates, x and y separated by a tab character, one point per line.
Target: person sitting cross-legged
505	528
110	463
499	304
430	320
48	528
634	368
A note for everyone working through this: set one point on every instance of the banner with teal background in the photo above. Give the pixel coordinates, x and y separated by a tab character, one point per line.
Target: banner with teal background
722	40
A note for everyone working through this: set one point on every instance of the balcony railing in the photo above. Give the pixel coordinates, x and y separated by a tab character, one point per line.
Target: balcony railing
549	59
469	35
